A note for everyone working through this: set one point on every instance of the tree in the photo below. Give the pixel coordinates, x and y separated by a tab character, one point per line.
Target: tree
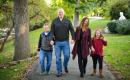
76	14
22	47
77	7
119	6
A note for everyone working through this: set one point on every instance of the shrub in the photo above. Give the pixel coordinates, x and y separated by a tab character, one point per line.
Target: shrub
112	27
123	27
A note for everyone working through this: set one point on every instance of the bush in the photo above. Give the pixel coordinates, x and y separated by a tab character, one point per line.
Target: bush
112	27
120	27
123	27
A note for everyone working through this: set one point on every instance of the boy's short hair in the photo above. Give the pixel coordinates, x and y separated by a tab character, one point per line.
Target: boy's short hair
46	22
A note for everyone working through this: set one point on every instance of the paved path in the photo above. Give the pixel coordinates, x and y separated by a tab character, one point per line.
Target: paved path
73	74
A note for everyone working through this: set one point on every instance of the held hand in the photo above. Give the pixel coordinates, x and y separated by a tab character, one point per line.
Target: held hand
93	49
72	41
73	57
51	42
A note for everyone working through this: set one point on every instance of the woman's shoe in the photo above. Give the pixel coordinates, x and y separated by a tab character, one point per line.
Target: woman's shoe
81	75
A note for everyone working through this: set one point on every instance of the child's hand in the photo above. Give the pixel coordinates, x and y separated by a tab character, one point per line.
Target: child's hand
93	49
51	42
104	39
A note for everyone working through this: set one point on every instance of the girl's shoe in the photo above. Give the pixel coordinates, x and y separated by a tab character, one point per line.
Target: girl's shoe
94	72
100	73
101	76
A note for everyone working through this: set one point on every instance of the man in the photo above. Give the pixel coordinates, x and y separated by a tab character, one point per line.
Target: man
60	28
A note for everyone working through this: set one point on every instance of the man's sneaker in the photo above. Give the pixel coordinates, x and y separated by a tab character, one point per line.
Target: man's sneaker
42	73
59	75
66	70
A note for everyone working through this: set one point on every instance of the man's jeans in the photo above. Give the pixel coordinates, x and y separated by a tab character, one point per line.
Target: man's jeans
62	46
48	56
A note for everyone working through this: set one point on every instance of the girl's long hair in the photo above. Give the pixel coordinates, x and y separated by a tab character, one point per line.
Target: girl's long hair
101	35
82	26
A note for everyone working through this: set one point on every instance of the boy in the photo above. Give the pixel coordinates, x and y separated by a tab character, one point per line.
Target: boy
45	47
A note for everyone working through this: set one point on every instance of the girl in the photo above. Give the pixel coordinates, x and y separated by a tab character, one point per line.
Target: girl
82	44
97	52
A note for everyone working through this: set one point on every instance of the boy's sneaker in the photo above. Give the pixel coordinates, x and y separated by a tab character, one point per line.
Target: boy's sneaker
47	73
42	73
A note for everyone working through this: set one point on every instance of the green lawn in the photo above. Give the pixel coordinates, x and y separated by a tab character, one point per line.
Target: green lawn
117	53
98	24
15	72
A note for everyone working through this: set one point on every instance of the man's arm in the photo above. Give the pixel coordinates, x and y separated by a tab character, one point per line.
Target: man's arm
52	30
71	30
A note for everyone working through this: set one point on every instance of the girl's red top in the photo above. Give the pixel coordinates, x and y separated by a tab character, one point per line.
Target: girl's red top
98	46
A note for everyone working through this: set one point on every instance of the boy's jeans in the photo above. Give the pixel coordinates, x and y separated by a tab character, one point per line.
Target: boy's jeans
48	56
62	46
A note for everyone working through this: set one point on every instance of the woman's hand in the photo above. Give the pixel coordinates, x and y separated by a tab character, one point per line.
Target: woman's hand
72	42
93	49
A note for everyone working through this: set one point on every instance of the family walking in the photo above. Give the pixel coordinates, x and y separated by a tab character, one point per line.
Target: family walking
84	45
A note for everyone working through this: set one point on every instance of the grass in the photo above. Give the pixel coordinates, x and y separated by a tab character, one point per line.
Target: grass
117	53
15	72
98	24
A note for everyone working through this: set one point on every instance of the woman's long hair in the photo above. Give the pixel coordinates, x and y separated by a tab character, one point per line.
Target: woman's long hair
82	26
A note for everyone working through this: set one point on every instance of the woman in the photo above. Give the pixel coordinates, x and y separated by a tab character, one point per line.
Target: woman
82	44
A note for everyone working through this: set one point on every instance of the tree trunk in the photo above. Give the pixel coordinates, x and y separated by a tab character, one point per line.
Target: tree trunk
22	47
76	14
76	19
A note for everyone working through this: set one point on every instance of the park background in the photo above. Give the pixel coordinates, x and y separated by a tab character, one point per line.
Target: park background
103	14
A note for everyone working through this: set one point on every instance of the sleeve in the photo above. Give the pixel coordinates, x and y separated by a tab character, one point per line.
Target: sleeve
104	43
39	43
92	42
90	39
72	30
52	30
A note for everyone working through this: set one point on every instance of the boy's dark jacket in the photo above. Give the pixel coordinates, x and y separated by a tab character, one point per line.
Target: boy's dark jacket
44	41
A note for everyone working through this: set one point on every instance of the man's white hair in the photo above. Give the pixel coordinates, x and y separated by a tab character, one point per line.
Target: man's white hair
61	9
